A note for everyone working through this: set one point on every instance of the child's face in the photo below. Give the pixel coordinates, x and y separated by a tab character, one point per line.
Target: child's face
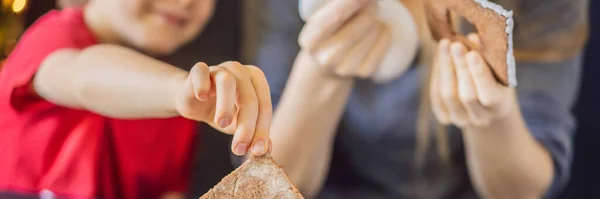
157	26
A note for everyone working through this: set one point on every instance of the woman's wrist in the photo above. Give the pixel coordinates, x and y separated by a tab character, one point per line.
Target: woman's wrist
317	72
507	122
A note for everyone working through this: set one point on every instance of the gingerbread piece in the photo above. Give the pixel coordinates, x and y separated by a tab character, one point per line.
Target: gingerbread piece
258	178
494	26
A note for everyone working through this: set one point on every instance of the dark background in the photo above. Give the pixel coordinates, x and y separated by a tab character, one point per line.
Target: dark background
585	179
221	42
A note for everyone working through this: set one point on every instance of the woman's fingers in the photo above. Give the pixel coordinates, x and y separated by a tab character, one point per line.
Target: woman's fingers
465	84
474	39
357	53
332	50
376	54
448	84
327	20
488	90
247	104
467	93
261	142
439	109
491	90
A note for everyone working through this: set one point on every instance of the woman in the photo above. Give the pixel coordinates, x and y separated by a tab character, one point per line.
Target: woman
341	136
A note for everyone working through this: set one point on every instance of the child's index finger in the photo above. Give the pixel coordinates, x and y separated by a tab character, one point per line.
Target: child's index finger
260	141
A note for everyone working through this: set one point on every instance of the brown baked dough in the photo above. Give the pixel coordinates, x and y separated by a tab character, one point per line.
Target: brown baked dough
494	26
258	178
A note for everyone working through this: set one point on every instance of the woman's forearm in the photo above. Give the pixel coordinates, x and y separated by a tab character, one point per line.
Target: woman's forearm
305	122
505	161
112	81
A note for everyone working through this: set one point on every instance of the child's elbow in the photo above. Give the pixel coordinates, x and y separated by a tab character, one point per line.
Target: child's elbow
55	78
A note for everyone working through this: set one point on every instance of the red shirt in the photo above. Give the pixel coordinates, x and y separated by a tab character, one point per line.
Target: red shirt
77	153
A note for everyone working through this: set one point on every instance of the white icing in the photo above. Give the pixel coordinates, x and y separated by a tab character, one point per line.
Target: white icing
510	58
405	38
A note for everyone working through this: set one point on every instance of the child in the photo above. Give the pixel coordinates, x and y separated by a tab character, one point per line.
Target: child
85	116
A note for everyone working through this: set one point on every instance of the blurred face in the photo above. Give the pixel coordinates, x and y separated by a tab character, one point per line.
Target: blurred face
157	27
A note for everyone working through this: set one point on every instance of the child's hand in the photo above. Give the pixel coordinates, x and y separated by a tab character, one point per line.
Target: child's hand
463	89
346	37
232	98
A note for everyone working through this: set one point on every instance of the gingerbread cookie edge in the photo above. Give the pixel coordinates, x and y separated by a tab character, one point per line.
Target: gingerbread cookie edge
510	58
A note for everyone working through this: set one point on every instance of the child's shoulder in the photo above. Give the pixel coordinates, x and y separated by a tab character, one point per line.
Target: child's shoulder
56	30
65	26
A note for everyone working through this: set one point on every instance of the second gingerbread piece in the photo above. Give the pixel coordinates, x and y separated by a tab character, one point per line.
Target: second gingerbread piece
494	26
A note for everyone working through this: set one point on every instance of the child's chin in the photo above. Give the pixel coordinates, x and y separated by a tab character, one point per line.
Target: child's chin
159	49
158	43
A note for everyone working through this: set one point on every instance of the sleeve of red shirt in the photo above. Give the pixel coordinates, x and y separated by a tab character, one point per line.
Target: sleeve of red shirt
48	35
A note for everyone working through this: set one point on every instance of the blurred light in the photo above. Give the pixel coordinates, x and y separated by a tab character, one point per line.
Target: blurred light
18	5
7	3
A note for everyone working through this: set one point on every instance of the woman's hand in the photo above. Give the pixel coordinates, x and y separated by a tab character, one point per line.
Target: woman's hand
464	92
346	37
232	98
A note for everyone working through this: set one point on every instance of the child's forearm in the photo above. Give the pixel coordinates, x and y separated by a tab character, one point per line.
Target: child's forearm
112	81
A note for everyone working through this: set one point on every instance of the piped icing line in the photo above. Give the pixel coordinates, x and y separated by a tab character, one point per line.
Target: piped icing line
510	58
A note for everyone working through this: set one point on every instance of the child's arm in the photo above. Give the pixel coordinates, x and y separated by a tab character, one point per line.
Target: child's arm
121	83
111	80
